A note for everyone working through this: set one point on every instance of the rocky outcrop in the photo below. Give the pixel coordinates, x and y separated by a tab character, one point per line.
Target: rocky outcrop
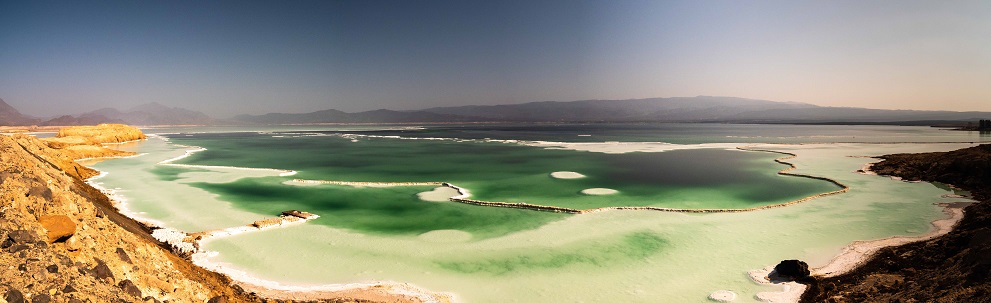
60	240
951	268
102	256
792	270
57	227
103	133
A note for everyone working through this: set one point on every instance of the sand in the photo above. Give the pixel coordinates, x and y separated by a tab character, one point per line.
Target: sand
860	251
439	194
566	175
722	296
853	256
599	191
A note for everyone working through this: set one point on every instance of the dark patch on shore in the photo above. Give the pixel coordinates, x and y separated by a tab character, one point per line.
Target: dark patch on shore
953	268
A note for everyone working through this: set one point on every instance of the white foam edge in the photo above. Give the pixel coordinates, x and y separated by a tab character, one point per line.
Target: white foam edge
202	258
119	201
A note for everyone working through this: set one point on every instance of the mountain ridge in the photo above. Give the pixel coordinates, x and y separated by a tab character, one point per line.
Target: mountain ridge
699	109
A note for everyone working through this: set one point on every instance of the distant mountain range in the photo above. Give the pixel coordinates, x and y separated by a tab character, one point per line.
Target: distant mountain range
147	114
705	109
336	116
679	109
10	116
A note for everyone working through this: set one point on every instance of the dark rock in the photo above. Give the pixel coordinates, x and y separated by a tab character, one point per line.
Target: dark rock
23	267
14	296
102	271
950	268
74	300
17	248
792	269
52	268
150	299
41	298
123	256
68	289
41	191
22	236
218	299
130	288
7	243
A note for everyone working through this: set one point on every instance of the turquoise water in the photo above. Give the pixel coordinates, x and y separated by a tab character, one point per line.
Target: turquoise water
486	254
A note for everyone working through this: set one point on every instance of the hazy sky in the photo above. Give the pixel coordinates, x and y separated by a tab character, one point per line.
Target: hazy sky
225	58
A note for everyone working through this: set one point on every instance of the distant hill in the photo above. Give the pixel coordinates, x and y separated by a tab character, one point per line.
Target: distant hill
701	109
68	120
336	116
10	116
149	114
697	109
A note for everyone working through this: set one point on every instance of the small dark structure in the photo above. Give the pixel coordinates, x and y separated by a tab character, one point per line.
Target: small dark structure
792	270
984	125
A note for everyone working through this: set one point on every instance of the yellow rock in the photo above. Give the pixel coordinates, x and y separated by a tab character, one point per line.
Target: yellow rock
59	227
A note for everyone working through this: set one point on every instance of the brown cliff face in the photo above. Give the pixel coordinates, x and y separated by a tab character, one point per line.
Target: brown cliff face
62	240
103	133
952	268
57	244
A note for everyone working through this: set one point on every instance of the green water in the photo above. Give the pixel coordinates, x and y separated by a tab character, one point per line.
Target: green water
705	178
485	254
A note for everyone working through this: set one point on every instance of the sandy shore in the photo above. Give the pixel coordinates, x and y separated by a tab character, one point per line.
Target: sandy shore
566	175
599	191
370	291
857	253
853	256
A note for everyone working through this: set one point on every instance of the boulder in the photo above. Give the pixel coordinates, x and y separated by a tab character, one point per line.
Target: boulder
793	269
102	271
130	288
59	227
23	236
218	299
41	298
14	296
73	244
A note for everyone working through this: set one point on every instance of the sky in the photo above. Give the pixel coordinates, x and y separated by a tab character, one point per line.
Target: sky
252	57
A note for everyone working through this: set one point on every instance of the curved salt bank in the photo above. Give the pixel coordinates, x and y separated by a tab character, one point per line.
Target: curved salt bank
599	191
723	296
566	175
439	194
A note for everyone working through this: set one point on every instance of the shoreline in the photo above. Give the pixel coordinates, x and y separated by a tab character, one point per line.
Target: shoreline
380	291
858	252
271	289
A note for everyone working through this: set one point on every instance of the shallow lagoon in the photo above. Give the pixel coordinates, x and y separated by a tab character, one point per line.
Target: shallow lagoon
485	254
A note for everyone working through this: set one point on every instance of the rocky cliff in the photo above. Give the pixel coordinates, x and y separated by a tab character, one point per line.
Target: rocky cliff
62	241
953	268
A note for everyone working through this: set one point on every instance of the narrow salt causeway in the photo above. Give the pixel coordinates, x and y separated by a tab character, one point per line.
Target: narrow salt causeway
566	175
439	194
187	244
358	184
599	191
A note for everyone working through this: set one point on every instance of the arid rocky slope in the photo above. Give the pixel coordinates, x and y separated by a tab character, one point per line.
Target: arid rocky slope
62	240
952	268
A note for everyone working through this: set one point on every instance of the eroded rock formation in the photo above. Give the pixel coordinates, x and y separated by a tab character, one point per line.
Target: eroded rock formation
951	268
